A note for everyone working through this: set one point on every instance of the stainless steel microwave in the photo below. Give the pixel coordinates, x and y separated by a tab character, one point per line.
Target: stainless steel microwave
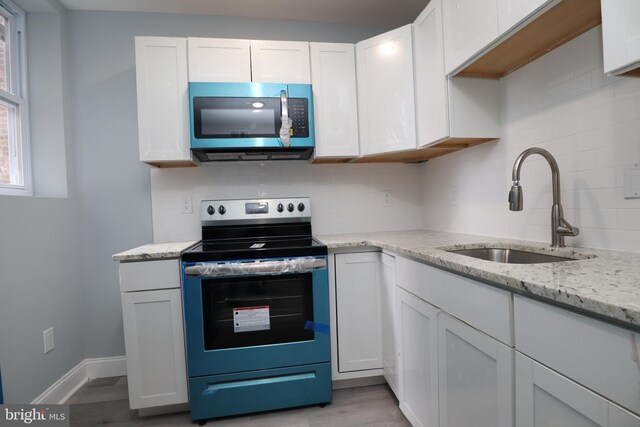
251	121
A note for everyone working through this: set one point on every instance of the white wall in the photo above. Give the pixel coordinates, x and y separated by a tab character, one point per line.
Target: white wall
344	198
591	123
40	284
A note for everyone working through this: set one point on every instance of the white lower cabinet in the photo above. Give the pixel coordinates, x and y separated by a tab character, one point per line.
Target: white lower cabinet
475	377
389	322
418	359
153	334
545	398
358	311
453	374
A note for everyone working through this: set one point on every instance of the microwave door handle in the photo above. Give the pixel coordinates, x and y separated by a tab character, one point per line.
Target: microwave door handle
286	122
284	103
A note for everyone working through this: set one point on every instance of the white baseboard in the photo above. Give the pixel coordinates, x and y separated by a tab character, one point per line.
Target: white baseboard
88	369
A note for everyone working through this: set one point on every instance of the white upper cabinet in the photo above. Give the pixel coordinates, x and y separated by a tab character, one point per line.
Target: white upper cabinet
163	111
512	12
446	107
386	109
219	60
621	36
333	77
280	62
431	81
469	26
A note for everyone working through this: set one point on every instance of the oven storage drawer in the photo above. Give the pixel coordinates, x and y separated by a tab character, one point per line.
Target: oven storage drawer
256	391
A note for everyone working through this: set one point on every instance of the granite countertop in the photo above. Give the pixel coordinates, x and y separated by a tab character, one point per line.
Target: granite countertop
154	251
603	282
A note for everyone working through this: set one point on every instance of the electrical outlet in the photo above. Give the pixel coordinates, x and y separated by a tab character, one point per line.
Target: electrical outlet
388	198
185	205
48	340
453	195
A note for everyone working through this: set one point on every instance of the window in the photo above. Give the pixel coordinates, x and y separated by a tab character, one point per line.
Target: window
15	174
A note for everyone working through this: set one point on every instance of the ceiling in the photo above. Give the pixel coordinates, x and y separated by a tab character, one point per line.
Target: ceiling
378	13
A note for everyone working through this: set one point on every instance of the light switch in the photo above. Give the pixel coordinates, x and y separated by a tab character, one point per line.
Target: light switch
632	181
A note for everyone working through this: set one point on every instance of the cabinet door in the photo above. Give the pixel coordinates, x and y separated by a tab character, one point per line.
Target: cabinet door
163	105
512	12
469	26
358	311
475	377
219	60
620	34
547	399
418	359
431	82
386	109
390	347
280	62
333	76
154	342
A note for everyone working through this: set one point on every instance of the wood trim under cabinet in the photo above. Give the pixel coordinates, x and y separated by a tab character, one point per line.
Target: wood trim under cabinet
561	23
331	160
421	154
174	164
632	73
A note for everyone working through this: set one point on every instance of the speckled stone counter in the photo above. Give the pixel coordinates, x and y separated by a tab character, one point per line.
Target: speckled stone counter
154	251
605	283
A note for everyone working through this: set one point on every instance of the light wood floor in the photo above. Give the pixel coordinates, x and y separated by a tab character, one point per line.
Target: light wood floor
105	402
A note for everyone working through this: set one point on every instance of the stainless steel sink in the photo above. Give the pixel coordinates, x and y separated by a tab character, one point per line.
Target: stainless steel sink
509	256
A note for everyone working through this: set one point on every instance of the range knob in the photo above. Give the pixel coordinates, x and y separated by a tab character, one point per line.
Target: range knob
280	208
221	210
300	207
211	210
290	207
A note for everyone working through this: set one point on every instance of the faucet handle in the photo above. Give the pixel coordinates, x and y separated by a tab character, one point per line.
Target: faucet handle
566	229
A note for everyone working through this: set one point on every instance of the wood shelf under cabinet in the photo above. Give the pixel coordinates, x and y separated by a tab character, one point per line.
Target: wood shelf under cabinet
447	146
174	164
556	26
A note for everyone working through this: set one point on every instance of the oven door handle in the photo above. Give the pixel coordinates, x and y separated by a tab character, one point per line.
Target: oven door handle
255	268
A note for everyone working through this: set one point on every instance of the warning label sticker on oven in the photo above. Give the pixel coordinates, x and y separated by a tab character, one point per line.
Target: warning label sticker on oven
246	319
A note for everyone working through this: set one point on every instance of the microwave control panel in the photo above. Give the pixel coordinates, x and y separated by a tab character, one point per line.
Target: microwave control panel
299	114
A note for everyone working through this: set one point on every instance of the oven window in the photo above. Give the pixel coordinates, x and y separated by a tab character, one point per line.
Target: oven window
257	310
219	117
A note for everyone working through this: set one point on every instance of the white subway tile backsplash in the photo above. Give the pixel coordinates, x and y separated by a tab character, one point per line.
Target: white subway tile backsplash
344	198
590	122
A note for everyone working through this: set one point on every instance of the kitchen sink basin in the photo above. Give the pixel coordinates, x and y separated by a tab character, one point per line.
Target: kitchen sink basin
509	256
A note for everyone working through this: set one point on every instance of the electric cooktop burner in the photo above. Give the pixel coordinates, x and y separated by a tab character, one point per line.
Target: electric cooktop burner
255	229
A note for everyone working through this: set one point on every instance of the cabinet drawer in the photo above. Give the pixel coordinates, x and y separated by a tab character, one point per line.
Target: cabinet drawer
258	391
595	354
148	275
482	306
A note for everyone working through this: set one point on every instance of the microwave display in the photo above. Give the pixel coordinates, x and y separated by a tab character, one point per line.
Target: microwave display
250	117
219	117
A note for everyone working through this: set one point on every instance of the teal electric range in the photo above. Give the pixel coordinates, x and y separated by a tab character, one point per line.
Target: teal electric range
256	307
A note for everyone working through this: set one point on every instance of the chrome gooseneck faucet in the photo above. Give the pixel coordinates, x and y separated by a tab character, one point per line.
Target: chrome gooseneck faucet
559	226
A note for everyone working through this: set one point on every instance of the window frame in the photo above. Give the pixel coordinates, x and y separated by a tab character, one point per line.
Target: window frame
17	96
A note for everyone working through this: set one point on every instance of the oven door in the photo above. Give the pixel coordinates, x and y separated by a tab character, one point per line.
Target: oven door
251	315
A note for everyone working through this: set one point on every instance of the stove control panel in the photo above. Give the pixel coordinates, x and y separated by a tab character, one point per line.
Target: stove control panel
294	208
